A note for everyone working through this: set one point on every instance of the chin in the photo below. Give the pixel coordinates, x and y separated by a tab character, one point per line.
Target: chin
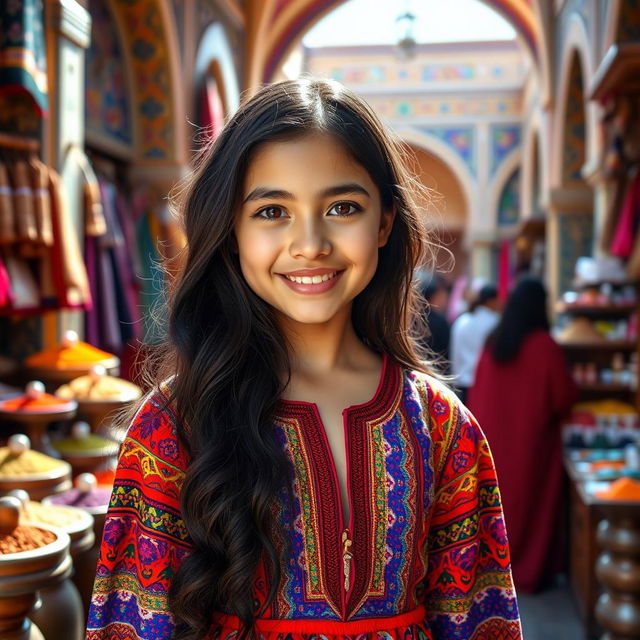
309	316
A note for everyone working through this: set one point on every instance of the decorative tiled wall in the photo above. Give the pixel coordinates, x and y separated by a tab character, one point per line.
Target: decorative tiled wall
576	239
504	139
151	63
107	103
574	146
509	203
462	140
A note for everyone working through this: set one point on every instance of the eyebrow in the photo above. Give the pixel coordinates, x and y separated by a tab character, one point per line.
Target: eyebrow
262	193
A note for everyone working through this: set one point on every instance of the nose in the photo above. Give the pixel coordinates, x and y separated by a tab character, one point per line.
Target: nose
309	239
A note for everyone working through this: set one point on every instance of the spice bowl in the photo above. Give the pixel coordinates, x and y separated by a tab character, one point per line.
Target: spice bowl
37	473
100	399
61	614
31	558
68	360
94	499
86	451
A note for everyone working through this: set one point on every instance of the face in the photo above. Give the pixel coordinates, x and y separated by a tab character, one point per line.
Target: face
309	228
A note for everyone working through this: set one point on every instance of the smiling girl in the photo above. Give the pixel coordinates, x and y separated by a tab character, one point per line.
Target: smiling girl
298	474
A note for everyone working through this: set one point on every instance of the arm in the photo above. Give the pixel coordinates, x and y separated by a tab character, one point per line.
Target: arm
144	540
469	590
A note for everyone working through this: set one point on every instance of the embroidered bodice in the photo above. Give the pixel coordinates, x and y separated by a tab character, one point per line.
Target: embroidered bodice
424	554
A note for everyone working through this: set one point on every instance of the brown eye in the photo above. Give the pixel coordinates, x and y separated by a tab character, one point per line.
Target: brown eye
271	213
344	209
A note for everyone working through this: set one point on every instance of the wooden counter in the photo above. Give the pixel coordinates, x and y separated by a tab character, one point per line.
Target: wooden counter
604	556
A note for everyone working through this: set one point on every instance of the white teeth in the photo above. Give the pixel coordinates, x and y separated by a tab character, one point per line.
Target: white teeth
312	279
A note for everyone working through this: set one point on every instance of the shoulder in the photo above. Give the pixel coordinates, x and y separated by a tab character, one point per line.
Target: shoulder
541	339
461	321
450	426
440	406
153	430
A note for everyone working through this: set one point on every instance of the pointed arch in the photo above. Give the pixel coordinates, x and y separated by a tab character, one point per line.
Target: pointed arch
459	169
287	21
512	163
576	65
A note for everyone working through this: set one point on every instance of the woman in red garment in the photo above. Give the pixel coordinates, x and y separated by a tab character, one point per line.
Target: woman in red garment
521	392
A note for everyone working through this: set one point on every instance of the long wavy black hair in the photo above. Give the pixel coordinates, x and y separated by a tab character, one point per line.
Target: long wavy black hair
229	361
524	312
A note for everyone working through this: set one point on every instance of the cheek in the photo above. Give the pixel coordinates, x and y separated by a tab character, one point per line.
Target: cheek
363	251
256	254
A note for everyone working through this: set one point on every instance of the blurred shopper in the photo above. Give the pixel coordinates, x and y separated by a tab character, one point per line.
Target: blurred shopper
435	291
468	335
521	391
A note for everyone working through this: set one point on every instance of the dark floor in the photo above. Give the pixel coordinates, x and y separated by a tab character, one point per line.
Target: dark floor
550	615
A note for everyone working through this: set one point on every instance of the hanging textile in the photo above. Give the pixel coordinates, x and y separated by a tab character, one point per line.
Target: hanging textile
505	269
102	323
7	215
148	234
115	322
70	274
6	295
23	62
211	109
627	225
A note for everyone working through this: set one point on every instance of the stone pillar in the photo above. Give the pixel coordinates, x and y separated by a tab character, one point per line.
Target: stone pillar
482	261
602	196
72	24
569	235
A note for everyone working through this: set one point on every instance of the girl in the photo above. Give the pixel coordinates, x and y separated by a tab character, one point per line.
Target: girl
249	502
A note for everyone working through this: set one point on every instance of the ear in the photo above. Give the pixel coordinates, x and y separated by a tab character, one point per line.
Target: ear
386	225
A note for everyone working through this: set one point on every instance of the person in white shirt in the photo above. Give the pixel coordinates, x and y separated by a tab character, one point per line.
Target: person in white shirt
468	335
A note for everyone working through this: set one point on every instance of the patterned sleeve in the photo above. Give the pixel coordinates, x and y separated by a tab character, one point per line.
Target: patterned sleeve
469	590
144	540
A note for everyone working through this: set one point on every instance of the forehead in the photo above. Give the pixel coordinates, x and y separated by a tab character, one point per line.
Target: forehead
311	160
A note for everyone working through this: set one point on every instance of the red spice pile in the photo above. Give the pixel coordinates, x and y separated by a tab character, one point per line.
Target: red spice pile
25	538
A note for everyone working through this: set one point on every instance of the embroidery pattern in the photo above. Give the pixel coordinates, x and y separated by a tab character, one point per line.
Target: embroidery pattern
426	525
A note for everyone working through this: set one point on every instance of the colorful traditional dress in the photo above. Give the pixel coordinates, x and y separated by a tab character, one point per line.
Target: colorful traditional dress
424	555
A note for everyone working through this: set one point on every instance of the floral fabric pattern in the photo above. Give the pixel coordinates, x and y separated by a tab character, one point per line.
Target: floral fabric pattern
429	553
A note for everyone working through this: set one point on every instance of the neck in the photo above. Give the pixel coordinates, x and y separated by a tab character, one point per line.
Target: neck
318	348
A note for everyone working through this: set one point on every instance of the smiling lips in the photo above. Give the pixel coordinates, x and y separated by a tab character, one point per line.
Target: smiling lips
311	280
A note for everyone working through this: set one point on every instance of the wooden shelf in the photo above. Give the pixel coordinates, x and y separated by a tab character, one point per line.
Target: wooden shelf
613	345
596	284
597	310
20	143
609	388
